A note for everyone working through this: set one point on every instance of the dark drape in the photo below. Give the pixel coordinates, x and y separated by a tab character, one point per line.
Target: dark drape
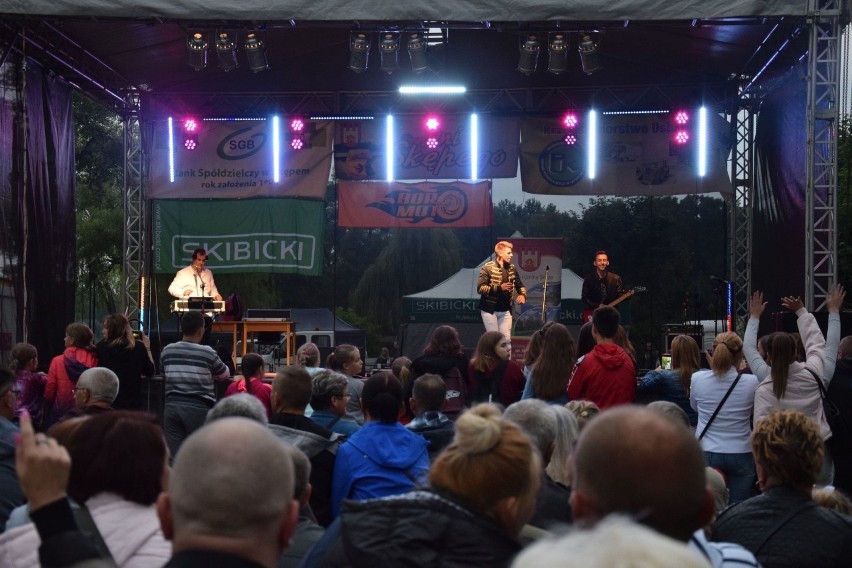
778	257
47	202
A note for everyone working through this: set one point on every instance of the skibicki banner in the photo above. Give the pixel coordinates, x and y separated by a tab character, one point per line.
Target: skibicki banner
420	153
223	159
368	204
625	155
248	235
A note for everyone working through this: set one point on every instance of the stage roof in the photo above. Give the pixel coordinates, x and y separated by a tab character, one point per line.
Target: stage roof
692	49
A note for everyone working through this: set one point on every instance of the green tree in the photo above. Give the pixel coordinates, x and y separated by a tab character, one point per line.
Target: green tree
99	158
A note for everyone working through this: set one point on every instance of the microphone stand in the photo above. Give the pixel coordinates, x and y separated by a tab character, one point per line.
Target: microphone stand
544	297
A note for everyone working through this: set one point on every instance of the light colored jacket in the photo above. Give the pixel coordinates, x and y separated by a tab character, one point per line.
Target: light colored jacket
131	532
802	391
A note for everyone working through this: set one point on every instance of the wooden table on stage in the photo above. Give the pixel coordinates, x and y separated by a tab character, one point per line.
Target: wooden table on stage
250	327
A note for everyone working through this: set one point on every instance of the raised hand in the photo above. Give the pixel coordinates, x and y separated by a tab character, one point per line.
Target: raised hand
43	466
792	303
756	305
835	298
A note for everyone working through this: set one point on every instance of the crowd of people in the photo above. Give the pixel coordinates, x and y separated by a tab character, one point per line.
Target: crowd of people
441	461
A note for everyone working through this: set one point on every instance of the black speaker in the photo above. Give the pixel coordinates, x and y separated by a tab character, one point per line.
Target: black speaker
670	331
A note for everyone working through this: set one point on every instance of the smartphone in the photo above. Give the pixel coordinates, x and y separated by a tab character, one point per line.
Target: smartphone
666	361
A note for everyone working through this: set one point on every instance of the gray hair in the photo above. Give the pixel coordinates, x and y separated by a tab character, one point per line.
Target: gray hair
244	404
670	410
101	383
536	419
324	385
567	431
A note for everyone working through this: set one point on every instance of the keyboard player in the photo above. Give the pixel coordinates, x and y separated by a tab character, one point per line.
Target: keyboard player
196	281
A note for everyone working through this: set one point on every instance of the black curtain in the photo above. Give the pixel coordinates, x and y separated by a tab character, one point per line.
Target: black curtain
46	201
778	254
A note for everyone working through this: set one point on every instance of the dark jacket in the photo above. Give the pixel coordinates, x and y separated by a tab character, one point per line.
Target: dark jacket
420	529
785	528
436	428
591	294
492	298
840	443
129	365
320	446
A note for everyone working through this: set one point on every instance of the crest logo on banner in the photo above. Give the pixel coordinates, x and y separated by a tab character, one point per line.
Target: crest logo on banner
447	205
530	259
562	165
235	146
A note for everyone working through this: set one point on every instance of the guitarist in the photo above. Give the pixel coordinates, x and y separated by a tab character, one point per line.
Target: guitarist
601	287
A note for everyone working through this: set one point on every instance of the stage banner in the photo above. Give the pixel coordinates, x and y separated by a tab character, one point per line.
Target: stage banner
636	155
236	160
359	148
240	236
537	260
368	205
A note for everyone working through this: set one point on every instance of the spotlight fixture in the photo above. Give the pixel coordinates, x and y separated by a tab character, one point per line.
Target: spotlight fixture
359	51
417	52
389	51
226	52
589	55
256	53
529	48
557	53
196	51
433	131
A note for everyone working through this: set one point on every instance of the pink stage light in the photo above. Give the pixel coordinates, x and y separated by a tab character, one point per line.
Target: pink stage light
297	143
297	125
681	117
681	137
190	143
431	143
190	125
432	124
570	139
569	120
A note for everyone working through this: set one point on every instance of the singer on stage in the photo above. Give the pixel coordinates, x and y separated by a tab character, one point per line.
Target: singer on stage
195	280
498	285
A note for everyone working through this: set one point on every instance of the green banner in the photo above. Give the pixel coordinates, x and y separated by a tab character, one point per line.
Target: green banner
242	235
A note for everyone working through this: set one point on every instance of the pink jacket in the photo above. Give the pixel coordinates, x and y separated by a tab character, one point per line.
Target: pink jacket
131	532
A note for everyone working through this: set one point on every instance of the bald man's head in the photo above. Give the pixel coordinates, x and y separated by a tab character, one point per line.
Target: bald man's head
845	347
232	478
631	460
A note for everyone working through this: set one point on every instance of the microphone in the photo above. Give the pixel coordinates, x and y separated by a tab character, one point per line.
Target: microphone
546	268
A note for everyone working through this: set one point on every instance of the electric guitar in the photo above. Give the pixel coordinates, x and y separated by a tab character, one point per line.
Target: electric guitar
587	313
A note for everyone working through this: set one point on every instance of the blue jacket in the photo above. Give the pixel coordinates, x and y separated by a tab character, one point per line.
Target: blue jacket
665	385
376	461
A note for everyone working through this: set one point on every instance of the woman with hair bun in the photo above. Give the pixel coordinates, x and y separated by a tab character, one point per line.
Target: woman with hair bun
725	438
128	357
483	489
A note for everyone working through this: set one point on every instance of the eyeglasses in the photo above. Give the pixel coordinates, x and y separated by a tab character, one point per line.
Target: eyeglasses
75	390
342	395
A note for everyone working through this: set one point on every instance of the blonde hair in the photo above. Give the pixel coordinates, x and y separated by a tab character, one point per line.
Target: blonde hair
584	410
727	352
481	466
788	445
502	245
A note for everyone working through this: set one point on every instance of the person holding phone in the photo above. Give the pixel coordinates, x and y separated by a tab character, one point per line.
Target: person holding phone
671	380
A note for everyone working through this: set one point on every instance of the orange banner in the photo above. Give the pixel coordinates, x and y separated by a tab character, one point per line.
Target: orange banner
368	205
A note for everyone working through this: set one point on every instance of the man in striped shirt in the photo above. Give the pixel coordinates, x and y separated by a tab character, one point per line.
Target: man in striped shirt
190	369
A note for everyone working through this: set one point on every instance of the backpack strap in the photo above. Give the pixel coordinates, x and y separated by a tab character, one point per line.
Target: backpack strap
721	403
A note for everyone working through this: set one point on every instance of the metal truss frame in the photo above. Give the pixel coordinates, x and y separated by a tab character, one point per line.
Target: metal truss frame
133	245
741	213
821	165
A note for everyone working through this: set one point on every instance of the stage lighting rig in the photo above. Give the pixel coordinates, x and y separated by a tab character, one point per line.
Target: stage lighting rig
359	51
226	52
417	52
557	52
529	48
256	53
589	54
196	51
389	52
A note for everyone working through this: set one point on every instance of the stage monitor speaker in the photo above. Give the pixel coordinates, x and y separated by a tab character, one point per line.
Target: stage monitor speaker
670	331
